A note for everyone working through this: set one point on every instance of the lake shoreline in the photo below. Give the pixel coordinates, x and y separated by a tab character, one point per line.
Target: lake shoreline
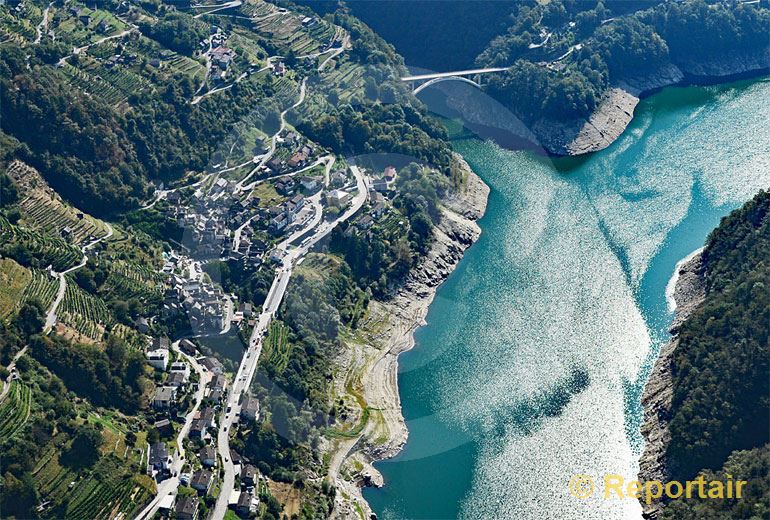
688	293
385	438
585	135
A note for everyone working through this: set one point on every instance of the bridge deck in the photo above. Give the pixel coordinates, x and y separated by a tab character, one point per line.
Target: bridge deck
420	77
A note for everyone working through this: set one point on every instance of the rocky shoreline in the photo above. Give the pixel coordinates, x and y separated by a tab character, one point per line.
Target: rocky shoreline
406	311
689	292
579	136
616	111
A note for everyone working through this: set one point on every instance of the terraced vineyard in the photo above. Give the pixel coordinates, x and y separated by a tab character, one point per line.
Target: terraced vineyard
287	31
277	348
43	210
14	410
16	29
46	249
109	492
85	313
127	281
129	335
13	282
122	79
94	84
42	287
115	494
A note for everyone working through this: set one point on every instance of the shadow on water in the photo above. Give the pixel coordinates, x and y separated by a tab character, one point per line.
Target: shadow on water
526	416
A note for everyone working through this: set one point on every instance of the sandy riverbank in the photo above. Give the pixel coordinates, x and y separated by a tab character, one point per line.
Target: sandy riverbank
386	433
688	291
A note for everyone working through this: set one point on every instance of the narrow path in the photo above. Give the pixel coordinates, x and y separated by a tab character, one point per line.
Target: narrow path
345	46
79	50
11	366
42	27
50	318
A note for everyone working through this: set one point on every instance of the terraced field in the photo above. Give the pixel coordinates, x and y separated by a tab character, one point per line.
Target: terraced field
94	84
277	348
83	312
127	280
108	492
287	31
16	29
42	287
14	279
43	210
14	411
47	249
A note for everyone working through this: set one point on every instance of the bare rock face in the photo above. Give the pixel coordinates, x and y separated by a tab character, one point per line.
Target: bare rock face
608	121
656	399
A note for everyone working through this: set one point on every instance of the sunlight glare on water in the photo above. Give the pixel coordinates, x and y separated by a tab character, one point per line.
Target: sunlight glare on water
536	350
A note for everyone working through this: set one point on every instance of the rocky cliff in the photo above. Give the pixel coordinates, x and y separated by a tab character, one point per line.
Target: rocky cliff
577	136
384	436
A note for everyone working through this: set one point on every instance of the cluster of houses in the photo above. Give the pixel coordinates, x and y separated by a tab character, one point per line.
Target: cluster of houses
377	201
177	374
292	152
221	57
201	301
284	214
278	69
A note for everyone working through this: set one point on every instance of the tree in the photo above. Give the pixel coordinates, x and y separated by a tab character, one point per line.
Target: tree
31	317
83	452
18	497
9	194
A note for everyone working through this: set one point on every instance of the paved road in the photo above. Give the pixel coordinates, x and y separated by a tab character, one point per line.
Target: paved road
50	318
273	301
219	7
170	485
273	140
42	27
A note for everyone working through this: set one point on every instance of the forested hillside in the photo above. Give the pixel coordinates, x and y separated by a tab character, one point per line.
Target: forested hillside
721	369
156	162
564	55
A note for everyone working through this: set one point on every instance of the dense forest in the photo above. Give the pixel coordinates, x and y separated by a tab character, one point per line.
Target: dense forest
591	48
721	374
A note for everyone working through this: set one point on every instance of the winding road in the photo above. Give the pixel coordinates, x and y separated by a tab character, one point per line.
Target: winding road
273	141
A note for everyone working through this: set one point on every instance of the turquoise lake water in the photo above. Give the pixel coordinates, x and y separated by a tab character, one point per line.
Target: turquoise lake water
537	348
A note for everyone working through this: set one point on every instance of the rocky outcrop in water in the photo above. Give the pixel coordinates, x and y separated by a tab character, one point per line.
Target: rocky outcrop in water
656	399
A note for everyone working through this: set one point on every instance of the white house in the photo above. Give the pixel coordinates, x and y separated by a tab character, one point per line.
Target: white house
158	358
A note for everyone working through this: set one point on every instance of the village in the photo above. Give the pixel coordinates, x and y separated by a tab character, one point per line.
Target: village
225	220
181	445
